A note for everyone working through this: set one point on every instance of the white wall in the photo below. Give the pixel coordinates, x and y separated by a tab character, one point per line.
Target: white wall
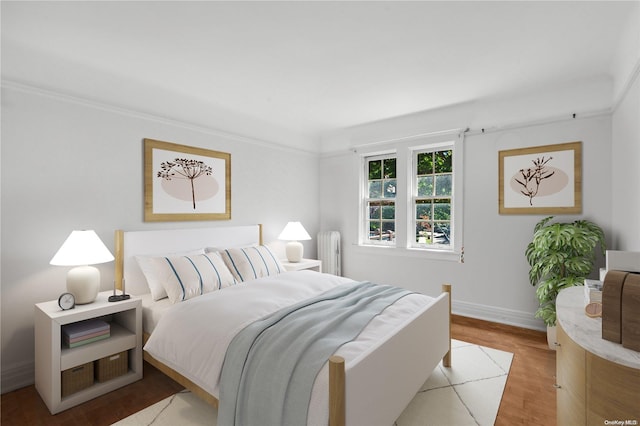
74	165
626	170
626	138
492	283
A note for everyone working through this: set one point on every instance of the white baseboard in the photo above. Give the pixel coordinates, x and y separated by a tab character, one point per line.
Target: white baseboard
499	315
17	376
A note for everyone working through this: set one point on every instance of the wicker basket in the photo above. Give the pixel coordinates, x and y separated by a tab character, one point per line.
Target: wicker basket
112	366
77	378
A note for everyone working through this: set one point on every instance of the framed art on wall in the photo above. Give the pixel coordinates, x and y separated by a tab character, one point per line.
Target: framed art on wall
185	183
541	180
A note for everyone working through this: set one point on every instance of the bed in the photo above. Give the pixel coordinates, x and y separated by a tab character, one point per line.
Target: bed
367	381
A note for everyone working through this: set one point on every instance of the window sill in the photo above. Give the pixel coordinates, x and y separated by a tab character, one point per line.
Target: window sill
431	254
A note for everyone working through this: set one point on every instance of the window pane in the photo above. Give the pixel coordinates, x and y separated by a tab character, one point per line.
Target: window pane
425	163
375	169
443	185
423	232
423	210
375	189
389	211
374	230
390	188
443	163
442	233
442	210
390	168
425	186
388	231
374	211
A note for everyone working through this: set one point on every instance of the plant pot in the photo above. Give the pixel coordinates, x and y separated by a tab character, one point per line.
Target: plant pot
552	341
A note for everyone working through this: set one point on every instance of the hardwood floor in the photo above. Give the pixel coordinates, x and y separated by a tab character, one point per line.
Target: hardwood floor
529	396
25	407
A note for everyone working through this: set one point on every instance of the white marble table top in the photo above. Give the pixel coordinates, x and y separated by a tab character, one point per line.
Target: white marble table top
587	332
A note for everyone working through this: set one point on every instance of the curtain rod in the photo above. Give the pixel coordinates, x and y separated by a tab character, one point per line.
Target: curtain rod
406	138
548	120
485	130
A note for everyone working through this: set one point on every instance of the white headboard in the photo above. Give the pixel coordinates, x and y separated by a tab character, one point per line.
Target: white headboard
157	242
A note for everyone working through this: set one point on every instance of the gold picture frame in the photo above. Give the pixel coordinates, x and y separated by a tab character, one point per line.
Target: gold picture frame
541	180
184	183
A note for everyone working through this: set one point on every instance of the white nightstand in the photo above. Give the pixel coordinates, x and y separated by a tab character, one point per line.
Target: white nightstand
313	264
52	357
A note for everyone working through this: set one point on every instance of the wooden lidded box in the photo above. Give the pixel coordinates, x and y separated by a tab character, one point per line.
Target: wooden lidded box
77	378
112	366
631	312
612	305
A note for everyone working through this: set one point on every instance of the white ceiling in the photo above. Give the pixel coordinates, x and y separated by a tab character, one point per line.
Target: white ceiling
305	68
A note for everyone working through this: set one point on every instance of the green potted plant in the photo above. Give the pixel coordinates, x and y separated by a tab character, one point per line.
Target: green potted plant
561	255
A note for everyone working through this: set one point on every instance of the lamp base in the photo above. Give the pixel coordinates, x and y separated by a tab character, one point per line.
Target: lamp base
294	250
84	283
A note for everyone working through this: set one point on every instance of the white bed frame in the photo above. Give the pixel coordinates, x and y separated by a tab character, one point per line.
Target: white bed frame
401	363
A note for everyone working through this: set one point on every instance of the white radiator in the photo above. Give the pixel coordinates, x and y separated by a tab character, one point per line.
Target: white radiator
329	251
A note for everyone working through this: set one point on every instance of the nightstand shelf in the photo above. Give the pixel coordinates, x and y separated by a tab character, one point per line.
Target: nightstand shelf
52	358
121	339
313	264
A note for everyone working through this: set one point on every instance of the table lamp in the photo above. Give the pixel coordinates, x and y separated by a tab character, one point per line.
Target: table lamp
82	249
294	232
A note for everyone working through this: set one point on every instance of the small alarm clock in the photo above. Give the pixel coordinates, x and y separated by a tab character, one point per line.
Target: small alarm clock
66	301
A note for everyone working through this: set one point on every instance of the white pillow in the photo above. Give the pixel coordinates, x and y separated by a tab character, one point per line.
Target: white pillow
192	276
157	272
249	263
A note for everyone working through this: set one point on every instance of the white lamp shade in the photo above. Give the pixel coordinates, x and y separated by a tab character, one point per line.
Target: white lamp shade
82	248
294	231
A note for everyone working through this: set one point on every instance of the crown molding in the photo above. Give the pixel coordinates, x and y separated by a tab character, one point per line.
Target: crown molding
626	88
128	112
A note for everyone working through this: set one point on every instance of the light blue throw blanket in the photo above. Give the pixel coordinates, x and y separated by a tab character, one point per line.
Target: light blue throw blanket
271	365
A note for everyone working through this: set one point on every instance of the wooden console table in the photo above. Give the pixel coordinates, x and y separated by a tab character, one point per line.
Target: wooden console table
598	381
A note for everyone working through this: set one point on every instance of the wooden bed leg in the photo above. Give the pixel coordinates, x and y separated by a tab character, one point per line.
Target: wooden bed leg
446	360
337	411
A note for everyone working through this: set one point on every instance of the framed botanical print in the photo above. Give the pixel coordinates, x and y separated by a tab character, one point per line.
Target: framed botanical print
541	180
185	183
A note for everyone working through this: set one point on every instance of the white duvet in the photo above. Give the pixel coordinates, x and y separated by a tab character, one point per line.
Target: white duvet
192	336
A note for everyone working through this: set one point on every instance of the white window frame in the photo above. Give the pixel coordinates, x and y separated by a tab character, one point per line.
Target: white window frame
405	150
364	232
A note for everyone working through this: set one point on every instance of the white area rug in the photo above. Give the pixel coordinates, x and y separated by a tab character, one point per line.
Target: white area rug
468	393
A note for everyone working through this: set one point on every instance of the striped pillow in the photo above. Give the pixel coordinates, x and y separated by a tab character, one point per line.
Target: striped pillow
191	276
156	271
249	263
